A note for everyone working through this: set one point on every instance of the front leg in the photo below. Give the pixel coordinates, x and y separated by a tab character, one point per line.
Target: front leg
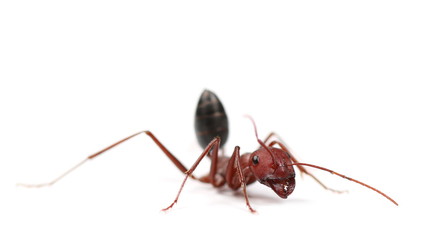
234	170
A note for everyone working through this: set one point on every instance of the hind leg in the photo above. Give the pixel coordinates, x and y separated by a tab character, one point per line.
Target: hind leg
171	157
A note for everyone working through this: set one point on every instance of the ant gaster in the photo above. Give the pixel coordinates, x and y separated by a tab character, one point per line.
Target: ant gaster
269	165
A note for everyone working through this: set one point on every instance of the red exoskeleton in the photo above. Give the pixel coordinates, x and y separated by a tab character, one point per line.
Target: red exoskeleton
272	164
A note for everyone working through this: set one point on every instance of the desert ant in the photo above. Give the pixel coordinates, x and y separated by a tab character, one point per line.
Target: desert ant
271	166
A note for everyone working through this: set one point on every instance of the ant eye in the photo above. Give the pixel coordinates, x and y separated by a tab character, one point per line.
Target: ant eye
255	160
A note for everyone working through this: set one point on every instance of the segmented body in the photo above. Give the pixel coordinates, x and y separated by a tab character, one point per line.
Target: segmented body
210	120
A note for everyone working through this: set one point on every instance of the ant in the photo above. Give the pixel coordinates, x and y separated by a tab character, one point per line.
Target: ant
269	165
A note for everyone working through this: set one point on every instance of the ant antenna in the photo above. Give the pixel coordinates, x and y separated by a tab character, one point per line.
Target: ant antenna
258	140
348	178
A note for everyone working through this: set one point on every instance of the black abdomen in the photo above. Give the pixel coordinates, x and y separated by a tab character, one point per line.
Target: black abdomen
210	119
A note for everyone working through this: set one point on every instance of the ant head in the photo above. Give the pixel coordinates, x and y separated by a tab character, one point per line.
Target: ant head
273	168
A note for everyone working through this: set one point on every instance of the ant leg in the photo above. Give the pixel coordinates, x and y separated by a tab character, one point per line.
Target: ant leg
174	160
233	167
273	134
214	143
301	168
212	176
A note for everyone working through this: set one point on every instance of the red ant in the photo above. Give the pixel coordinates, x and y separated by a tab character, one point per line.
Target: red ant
268	165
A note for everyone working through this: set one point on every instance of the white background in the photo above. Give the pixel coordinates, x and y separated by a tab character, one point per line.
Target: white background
350	85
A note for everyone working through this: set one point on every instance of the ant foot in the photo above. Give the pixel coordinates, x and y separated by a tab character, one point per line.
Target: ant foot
170	206
337	191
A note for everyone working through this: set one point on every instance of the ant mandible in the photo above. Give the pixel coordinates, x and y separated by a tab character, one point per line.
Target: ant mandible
271	166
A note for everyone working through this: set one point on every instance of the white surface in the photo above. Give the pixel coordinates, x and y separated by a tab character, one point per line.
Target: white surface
349	86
